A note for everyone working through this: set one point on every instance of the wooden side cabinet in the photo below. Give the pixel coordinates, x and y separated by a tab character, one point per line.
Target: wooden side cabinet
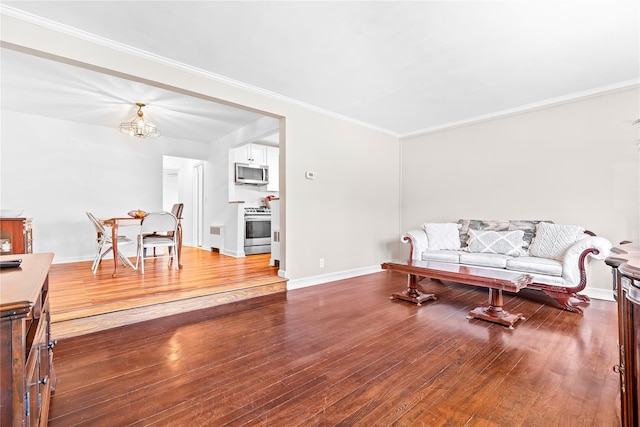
26	347
625	262
16	236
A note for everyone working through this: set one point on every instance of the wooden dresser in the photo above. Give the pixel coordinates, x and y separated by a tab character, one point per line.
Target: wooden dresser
16	236
26	368
625	262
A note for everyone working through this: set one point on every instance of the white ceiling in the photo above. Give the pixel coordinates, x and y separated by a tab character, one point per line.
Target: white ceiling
404	67
54	89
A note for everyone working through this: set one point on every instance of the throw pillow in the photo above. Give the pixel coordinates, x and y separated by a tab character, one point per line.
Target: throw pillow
529	228
442	235
480	225
553	240
496	242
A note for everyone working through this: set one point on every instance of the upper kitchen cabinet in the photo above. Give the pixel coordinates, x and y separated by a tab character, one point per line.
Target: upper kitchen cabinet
251	154
255	155
273	161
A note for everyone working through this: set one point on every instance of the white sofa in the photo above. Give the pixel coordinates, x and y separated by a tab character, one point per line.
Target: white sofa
554	255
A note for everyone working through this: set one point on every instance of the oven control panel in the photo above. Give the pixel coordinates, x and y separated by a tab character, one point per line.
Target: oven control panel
257	211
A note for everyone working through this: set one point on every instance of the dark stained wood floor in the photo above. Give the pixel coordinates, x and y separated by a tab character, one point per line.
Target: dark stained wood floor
343	354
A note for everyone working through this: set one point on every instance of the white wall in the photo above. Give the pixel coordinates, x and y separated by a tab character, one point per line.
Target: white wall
348	216
575	163
58	170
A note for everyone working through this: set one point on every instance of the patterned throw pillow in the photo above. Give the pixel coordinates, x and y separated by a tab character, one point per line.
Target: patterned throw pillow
442	235
496	242
553	240
528	226
480	225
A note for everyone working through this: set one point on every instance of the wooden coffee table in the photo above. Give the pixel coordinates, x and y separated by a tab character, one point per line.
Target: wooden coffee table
495	280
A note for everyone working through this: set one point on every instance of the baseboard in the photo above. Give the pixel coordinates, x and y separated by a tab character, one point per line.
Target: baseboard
87	258
235	254
331	277
108	258
599	293
595	293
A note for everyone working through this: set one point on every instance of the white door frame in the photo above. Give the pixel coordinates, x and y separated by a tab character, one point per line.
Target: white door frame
198	203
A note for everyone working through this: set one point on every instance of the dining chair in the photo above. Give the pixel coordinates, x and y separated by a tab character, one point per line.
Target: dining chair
105	244
158	229
176	210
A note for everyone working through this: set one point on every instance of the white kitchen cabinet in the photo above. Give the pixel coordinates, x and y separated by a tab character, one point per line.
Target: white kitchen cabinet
252	154
273	161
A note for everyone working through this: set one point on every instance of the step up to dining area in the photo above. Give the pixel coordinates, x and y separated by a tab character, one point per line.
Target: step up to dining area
83	302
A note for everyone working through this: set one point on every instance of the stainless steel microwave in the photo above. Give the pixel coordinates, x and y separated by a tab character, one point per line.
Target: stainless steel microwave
252	174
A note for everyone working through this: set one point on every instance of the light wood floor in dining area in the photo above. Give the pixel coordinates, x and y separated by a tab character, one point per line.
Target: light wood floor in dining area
342	353
82	302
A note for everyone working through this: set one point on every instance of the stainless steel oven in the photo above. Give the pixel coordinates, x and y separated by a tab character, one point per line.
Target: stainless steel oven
257	231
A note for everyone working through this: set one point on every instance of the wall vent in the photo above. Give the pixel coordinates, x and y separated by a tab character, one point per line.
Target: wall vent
217	237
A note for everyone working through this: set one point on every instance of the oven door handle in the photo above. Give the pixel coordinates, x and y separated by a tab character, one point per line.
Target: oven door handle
258	218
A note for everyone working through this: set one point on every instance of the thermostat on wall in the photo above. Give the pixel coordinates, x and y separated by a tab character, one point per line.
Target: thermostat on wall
310	175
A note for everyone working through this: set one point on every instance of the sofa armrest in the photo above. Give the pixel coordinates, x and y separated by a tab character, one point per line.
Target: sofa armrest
574	260
417	239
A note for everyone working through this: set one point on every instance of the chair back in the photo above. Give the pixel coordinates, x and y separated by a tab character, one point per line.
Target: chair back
176	210
159	222
99	227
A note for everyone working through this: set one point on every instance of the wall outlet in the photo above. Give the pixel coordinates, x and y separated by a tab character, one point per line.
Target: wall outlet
310	175
321	262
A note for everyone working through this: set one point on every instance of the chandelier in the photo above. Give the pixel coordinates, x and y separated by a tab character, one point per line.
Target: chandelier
139	126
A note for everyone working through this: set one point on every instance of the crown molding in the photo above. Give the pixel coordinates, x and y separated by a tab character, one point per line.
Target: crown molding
90	37
591	93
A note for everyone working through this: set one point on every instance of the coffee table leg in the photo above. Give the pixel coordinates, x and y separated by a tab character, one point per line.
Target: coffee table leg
413	294
494	312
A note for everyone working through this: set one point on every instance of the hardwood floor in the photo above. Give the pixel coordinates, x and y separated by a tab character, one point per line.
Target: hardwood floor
342	353
82	302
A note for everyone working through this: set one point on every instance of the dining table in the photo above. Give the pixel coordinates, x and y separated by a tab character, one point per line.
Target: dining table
117	222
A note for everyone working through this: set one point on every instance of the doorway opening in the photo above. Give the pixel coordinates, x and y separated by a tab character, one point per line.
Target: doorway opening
182	182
